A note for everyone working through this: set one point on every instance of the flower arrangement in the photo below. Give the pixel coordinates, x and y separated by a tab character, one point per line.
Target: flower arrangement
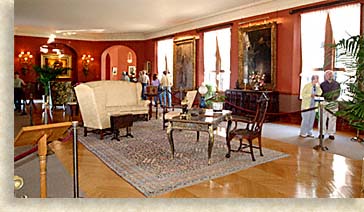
256	80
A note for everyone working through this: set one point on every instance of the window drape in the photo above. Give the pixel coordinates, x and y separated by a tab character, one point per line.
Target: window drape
345	22
222	39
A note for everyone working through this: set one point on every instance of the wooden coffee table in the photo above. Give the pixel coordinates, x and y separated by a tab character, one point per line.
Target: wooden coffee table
205	122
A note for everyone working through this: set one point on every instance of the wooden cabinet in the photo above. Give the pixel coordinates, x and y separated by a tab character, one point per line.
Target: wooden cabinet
247	99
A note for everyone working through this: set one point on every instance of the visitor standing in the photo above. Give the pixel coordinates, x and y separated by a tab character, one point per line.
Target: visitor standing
125	76
166	83
156	82
309	92
330	92
144	79
18	91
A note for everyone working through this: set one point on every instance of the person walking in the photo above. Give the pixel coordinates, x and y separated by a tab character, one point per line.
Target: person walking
330	92
309	92
18	91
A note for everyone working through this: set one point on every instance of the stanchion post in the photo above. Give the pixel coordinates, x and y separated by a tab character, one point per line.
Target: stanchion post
321	112
321	143
362	177
31	112
75	161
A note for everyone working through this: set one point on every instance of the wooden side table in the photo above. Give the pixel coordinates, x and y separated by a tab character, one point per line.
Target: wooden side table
118	121
151	92
73	109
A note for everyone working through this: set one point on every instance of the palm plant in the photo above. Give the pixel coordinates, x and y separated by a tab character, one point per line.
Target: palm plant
353	108
49	73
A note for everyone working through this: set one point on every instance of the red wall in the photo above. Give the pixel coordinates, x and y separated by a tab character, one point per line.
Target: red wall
288	52
95	48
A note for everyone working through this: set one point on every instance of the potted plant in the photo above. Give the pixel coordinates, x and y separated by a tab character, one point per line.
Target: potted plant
216	102
352	109
47	74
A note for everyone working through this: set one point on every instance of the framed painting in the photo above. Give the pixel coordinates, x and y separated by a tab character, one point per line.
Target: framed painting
54	60
184	53
148	67
132	70
114	70
257	54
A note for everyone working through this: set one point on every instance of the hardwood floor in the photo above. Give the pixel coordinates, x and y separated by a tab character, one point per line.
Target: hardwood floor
306	173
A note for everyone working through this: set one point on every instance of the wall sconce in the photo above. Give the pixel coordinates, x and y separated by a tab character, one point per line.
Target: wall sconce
25	59
86	59
130	58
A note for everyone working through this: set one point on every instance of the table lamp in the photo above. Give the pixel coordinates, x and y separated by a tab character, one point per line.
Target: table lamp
202	90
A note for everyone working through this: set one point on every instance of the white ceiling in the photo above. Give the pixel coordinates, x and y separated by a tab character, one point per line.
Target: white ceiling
133	19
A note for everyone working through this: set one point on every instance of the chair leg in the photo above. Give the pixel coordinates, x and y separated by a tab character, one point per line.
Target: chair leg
241	144
260	145
85	131
251	149
228	146
101	134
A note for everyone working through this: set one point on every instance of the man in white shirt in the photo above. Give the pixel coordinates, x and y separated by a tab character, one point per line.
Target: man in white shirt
145	81
166	83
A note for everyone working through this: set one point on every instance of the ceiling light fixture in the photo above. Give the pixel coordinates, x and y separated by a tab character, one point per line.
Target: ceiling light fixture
51	38
44	49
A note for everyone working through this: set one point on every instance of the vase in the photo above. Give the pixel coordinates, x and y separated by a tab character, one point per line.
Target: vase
217	106
256	87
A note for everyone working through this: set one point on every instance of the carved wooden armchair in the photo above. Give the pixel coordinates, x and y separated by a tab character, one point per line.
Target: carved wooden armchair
252	130
190	96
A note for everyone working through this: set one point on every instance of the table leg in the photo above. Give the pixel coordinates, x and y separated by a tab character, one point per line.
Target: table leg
227	137
170	138
198	136
211	143
150	108
156	110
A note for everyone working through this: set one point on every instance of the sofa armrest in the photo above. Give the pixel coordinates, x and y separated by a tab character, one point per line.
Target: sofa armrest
145	103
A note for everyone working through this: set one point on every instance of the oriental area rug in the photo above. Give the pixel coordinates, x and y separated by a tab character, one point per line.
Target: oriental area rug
145	160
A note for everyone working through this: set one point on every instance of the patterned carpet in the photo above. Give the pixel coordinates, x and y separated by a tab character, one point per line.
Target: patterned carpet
145	160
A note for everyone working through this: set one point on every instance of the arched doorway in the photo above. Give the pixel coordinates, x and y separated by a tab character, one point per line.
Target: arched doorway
121	59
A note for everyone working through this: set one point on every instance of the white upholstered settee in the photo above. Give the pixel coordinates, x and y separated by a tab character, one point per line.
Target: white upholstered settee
100	99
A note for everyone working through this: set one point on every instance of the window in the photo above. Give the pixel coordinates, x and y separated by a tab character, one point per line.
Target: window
222	39
345	22
165	56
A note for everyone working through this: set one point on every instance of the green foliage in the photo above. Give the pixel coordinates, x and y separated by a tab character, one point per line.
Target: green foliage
217	97
353	109
210	91
47	74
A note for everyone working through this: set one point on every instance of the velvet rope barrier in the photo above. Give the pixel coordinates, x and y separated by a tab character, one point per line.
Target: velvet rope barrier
274	114
35	148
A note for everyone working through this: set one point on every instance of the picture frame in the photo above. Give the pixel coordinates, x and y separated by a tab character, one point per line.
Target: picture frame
132	70
148	67
184	70
257	53
114	70
55	60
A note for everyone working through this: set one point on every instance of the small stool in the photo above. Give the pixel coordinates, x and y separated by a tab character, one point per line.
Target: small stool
121	121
